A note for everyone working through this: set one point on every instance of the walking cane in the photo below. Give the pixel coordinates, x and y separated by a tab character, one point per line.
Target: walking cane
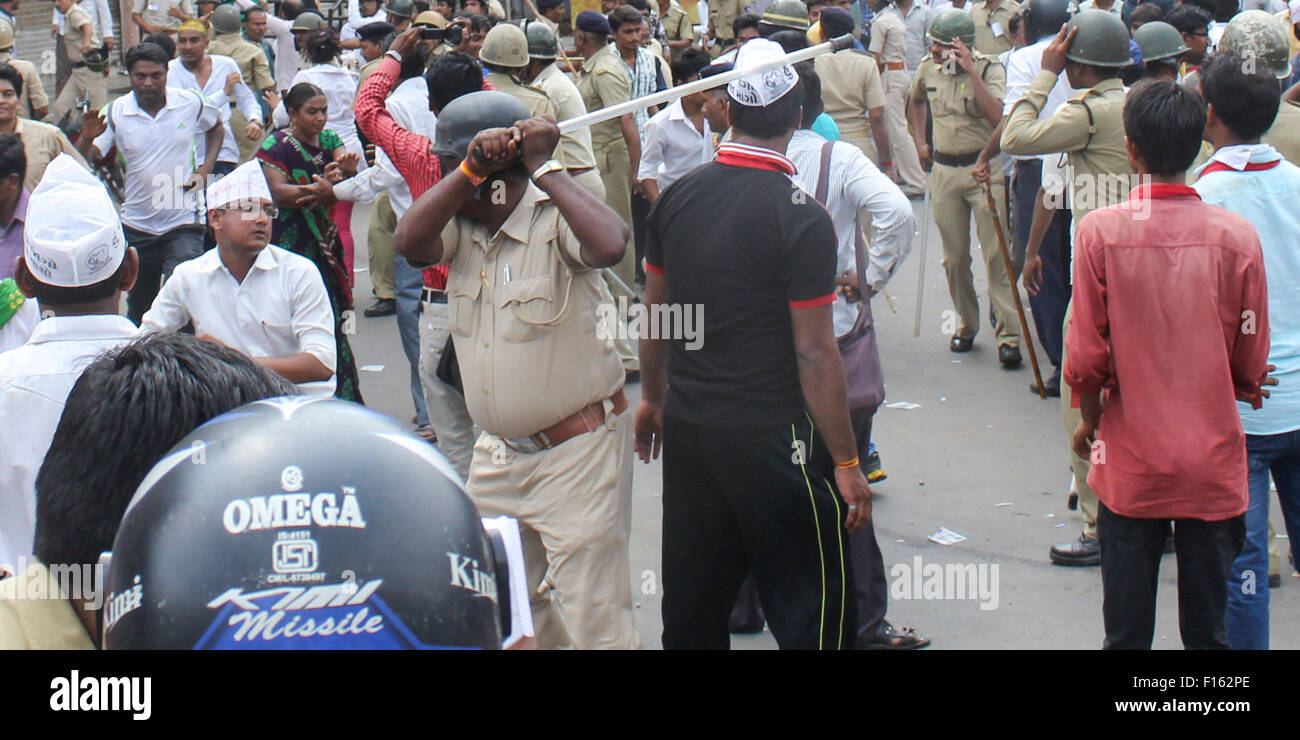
1015	290
920	273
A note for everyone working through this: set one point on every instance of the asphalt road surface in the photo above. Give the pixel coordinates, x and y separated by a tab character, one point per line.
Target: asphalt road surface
980	455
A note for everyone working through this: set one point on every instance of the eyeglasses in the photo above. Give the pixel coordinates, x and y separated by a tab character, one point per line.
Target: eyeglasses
252	209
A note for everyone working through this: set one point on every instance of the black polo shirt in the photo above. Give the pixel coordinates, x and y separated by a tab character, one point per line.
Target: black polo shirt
739	238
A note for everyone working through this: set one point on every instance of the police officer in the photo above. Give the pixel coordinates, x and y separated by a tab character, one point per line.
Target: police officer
32	102
504	56
1089	129
721	15
679	31
523	290
781	15
81	45
1161	44
400	13
890	48
253	65
1259	37
574	150
964	90
992	20
853	93
302	27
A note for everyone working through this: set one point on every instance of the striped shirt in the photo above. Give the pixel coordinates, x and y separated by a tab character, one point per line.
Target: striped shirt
856	186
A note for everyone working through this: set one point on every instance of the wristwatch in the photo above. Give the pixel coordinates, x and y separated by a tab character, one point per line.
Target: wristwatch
394	53
547	167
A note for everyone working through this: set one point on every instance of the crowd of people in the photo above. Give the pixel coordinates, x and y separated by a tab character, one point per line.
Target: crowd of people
1135	166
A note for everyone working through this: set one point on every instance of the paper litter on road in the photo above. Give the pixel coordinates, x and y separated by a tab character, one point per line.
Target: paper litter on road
1004	503
1058	526
1050	516
945	536
904	405
372	368
360	269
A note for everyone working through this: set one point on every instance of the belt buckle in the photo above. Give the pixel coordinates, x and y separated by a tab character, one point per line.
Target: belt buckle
527	445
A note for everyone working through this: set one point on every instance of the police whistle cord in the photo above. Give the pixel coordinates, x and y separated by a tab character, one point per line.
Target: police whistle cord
920	272
1015	290
673	93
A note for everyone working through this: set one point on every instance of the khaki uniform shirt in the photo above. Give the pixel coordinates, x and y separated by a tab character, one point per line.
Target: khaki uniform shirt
987	40
574	150
524	312
851	86
532	98
33	96
603	83
42	143
32	619
889	37
1089	129
959	126
155	12
1284	136
721	14
77	18
677	26
249	56
366	69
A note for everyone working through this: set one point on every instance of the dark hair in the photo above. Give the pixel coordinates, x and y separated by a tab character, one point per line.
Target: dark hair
292	9
128	408
13	158
298	96
13	77
1187	18
1205	5
743	21
413	64
420	6
148	51
810	4
692	60
1015	23
1246	102
480	22
322	46
1165	121
54	295
771	121
450	76
812	92
1145	13
641	6
790	40
623	15
255	9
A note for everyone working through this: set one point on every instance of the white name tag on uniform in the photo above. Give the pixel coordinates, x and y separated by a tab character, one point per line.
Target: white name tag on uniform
997	29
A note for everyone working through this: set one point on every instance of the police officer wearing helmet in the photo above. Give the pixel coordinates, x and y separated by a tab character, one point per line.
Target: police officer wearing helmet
302	27
542	72
1262	39
228	40
1161	45
400	13
781	15
505	56
1089	130
964	90
298	552
524	242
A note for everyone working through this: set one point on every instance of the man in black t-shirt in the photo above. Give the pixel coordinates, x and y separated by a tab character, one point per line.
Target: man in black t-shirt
753	422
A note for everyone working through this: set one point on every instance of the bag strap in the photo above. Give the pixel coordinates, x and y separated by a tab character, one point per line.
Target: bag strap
859	245
824	174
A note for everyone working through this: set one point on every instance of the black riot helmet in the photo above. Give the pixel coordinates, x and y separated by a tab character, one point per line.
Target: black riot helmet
303	523
469	114
1045	18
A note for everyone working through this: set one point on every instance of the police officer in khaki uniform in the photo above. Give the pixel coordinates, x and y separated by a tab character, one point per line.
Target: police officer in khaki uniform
678	28
853	93
81	44
964	90
721	15
505	55
32	102
1089	129
523	292
228	40
992	20
889	47
574	151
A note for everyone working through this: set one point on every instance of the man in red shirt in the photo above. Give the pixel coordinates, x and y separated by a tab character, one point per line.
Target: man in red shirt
1171	322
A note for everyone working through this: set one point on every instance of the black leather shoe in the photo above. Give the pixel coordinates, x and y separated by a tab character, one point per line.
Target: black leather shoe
1083	551
1009	356
961	344
381	307
1051	385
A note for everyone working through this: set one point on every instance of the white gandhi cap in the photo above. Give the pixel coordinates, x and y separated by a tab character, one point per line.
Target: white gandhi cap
766	87
245	182
73	236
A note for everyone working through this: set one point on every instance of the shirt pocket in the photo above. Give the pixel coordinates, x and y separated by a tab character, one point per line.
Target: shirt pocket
463	305
527	308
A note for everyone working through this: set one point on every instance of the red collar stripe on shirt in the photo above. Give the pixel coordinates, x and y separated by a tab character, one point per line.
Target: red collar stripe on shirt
753	157
1217	166
1162	190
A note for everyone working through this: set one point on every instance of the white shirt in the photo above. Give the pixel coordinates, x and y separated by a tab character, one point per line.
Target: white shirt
35	380
215	92
100	18
1023	66
940	7
408	104
160	156
340	87
917	21
673	147
858	192
356	20
1114	8
281	309
286	54
18	329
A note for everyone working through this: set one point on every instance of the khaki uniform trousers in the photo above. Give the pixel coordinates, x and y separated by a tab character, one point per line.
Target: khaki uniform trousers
598	182
81	82
1078	466
239	125
898	84
574	507
446	406
956	197
383	254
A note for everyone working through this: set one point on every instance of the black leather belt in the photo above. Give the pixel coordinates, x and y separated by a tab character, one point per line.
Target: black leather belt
429	295
956	160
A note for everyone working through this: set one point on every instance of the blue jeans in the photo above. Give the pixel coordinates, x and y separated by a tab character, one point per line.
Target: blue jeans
407	285
1248	580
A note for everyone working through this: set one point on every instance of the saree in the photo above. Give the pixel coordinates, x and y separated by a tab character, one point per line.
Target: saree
311	232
